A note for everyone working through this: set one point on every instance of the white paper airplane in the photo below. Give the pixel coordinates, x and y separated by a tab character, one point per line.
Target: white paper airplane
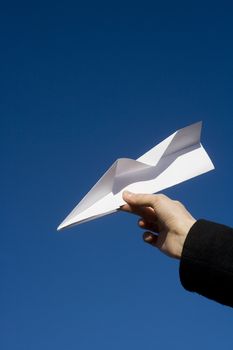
176	159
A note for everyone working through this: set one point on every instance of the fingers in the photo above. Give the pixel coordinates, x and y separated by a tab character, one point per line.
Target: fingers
146	200
151	226
146	206
151	239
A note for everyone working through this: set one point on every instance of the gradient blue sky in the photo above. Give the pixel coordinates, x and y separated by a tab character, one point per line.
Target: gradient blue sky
81	85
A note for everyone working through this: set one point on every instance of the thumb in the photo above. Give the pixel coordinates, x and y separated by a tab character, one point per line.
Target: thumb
146	200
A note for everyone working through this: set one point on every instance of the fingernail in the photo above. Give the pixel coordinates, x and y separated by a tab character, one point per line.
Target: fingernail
147	237
141	222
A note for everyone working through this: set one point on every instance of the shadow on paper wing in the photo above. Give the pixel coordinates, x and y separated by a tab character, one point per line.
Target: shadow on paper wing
146	173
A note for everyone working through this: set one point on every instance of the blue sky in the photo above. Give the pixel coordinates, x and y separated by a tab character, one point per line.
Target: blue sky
82	85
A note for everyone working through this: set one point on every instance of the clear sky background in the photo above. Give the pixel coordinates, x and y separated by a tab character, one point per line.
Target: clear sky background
82	84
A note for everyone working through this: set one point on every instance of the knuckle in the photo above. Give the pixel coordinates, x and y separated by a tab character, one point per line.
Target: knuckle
161	197
178	203
158	199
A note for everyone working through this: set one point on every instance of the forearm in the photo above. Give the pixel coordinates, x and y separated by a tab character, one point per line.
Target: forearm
206	265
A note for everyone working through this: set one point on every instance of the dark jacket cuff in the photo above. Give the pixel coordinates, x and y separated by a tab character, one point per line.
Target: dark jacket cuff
206	265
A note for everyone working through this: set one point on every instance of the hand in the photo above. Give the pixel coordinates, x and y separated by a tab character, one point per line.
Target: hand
168	219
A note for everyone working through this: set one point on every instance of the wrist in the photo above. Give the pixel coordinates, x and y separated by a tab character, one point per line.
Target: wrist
183	233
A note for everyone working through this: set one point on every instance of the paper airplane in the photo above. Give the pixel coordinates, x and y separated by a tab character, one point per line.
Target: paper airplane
176	159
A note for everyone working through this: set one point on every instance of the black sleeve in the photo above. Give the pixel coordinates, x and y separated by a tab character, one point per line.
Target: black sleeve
206	265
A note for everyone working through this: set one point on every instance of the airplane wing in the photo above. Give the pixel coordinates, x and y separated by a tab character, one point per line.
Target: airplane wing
178	158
